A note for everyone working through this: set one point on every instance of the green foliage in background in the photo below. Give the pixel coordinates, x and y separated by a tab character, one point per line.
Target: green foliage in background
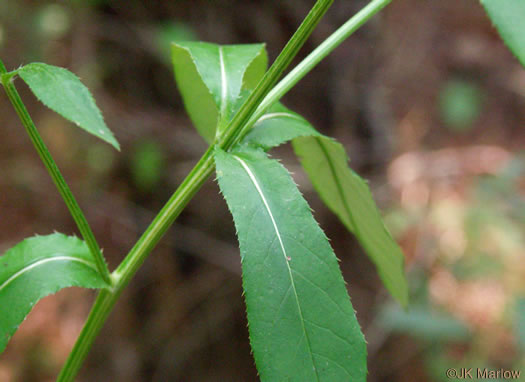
460	104
469	299
147	165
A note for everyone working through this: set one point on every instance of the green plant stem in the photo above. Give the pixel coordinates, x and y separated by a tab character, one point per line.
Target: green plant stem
192	183
314	58
204	168
231	133
106	299
52	168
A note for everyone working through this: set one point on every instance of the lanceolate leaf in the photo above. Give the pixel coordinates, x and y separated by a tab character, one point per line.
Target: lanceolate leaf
210	78
349	197
38	267
62	91
508	17
342	190
302	324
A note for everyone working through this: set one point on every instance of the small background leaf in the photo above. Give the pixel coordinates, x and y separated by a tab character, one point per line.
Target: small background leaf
507	16
38	267
460	104
62	91
147	165
211	77
302	324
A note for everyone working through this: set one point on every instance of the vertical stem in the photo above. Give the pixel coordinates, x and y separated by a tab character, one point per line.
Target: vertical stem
52	168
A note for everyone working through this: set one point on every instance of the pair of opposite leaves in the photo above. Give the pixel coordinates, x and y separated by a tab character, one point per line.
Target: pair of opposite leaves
302	324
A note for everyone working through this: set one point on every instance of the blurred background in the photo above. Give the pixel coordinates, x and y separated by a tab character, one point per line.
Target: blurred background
430	106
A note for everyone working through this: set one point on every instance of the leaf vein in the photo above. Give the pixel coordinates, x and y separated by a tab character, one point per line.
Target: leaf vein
224	82
345	340
321	289
334	362
43	261
278	115
253	179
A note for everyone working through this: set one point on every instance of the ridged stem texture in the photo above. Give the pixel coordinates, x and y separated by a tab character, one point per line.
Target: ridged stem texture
184	193
54	172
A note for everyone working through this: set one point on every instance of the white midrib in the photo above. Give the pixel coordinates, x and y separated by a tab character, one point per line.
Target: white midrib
278	114
43	261
224	82
286	258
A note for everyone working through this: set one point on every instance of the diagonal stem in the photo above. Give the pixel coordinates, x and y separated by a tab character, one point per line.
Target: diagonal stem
184	193
106	299
260	99
270	78
314	58
52	168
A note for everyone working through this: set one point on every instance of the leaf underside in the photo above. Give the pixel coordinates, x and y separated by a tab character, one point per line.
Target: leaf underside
62	92
38	267
302	324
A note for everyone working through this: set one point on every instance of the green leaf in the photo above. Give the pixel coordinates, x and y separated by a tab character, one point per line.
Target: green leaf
62	91
211	77
508	16
341	189
277	126
38	267
302	324
348	196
